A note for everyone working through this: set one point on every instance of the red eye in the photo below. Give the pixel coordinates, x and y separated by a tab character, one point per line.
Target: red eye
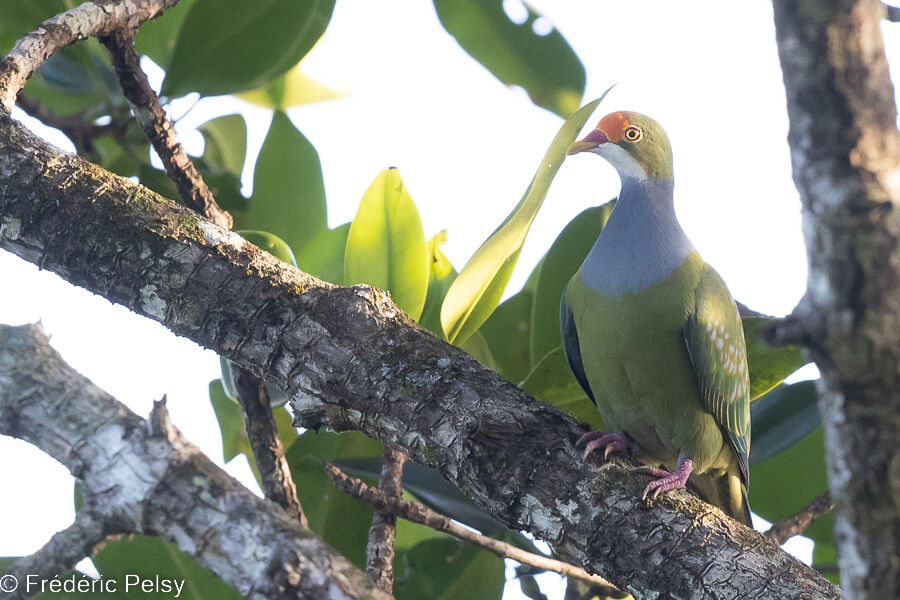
633	134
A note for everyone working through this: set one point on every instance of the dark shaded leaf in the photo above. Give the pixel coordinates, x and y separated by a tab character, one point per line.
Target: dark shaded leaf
545	65
446	569
156	38
226	142
563	259
781	418
323	256
506	332
227	46
552	381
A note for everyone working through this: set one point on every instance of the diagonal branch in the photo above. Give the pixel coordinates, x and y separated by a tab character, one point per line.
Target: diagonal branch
159	129
350	359
796	524
90	19
421	514
144	476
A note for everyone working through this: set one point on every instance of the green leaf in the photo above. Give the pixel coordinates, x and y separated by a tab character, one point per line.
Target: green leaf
271	243
781	418
507	332
323	256
156	38
227	46
432	490
788	481
152	559
440	275
226	142
563	259
288	192
552	381
545	65
769	365
478	288
477	347
446	569
294	88
6	561
386	246
341	520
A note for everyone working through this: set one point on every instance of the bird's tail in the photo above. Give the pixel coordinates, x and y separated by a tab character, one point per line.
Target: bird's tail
725	491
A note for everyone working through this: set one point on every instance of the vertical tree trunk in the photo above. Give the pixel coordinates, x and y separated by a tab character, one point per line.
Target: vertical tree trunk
845	150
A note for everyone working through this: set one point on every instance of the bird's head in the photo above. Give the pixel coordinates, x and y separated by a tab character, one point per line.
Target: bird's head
634	144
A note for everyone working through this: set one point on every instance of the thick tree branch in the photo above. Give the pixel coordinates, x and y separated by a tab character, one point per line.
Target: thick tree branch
61	553
159	129
421	514
144	476
349	359
796	524
91	19
380	546
845	150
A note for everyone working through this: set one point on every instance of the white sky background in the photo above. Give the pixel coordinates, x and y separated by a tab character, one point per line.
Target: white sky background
466	147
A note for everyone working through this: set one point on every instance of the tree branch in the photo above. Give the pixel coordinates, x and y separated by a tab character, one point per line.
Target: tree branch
144	476
268	451
845	150
380	547
75	127
785	529
61	553
159	129
350	359
90	19
421	514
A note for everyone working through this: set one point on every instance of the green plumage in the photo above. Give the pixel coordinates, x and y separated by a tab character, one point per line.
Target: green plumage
664	362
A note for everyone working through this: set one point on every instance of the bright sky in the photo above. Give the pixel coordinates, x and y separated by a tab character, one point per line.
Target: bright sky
466	147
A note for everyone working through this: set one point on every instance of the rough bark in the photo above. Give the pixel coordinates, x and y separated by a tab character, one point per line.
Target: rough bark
380	545
349	359
845	150
143	476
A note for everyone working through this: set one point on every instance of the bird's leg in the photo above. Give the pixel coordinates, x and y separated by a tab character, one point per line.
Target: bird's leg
667	481
612	442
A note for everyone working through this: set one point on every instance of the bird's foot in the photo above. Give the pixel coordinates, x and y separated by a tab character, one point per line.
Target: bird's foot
666	481
611	442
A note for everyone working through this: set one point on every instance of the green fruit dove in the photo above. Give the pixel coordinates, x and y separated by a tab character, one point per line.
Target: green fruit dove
653	334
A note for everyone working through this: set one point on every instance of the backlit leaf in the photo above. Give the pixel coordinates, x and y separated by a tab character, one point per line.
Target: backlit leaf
386	246
294	88
440	275
769	365
478	288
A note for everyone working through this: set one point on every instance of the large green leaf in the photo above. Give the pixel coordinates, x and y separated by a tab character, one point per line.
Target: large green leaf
440	275
545	65
446	569
288	192
478	288
227	46
323	256
552	381
788	481
386	246
154	559
294	88
226	142
781	418
563	259
769	365
156	38
506	332
341	520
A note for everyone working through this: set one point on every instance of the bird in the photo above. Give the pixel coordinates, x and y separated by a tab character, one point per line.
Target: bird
653	335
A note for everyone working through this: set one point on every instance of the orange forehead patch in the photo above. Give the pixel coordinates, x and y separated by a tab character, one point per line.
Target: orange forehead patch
613	125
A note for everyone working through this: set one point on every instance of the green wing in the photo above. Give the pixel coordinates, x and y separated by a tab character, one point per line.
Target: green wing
715	342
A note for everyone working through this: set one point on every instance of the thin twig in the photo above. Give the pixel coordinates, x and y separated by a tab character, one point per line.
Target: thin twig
159	129
262	431
419	513
380	547
785	529
76	126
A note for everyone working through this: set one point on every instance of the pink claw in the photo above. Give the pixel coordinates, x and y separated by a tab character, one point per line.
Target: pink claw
611	442
667	481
